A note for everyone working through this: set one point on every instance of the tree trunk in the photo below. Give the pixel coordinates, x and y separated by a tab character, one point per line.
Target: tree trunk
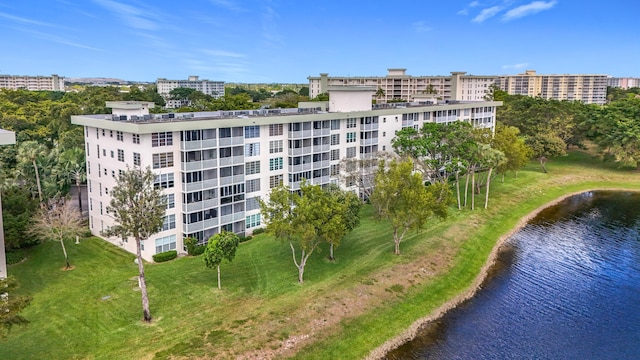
331	252
143	284
79	195
38	180
473	189
219	286
300	266
503	177
64	251
458	189
543	160
466	189
486	197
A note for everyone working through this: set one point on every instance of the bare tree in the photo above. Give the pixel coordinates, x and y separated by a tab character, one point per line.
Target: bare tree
58	220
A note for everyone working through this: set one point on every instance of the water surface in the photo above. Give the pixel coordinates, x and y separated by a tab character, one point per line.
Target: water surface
566	286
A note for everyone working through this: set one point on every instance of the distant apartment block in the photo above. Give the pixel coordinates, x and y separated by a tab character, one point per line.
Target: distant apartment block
590	89
462	87
214	167
212	88
397	85
623	83
33	83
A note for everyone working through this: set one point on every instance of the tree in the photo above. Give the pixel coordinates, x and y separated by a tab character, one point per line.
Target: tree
30	151
305	219
58	220
17	209
347	205
71	168
11	305
404	201
507	140
138	209
380	93
222	246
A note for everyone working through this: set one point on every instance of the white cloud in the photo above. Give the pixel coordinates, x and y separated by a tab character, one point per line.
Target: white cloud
420	26
222	53
515	66
472	4
134	17
487	14
61	40
26	21
528	9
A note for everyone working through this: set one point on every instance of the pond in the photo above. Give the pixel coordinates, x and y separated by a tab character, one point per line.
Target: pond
566	286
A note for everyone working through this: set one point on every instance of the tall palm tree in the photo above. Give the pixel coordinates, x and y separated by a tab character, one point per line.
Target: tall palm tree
380	93
30	151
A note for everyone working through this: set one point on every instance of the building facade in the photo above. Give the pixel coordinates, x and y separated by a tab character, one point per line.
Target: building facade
590	89
213	167
212	88
398	85
32	83
623	83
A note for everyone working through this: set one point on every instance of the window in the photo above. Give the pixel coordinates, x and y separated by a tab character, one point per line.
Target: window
253	185
104	152
121	155
252	221
164	181
113	174
169	222
136	138
87	149
335	154
88	167
275	146
103	132
275	129
97	133
275	181
351	152
384	134
275	164
98	152
252	149
192	177
351	123
165	243
251	132
110	133
351	137
193	135
170	200
105	171
89	185
252	167
225	132
335	139
253	203
136	159
335	170
99	171
161	139
162	160
335	124
119	136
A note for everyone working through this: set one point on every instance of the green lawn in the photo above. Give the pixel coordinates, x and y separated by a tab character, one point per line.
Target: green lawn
94	311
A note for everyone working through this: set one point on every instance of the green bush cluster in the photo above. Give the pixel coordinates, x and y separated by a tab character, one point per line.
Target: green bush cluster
258	231
245	238
165	256
14	257
192	246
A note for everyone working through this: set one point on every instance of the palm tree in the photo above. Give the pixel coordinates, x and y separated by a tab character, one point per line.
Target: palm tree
380	93
71	168
30	151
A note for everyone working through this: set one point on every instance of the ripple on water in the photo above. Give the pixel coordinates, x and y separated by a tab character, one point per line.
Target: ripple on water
567	286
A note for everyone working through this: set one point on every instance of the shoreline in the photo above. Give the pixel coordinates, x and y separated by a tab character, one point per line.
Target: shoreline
412	331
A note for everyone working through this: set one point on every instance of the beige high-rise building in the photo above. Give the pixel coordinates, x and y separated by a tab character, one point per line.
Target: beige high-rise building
623	83
396	85
588	88
33	83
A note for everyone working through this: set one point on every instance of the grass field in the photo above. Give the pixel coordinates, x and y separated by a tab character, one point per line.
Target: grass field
344	309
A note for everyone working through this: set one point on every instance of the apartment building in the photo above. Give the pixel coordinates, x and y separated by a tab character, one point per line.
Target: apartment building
398	85
623	83
212	88
590	89
6	138
213	167
33	83
462	87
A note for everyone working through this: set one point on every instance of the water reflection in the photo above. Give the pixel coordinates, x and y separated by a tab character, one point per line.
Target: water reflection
567	286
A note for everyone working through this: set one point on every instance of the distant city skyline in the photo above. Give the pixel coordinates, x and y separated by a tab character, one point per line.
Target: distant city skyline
287	41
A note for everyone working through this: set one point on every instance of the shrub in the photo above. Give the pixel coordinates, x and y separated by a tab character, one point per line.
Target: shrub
14	257
245	238
192	246
165	256
258	231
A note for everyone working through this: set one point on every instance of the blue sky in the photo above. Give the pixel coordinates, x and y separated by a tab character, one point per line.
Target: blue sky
289	40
